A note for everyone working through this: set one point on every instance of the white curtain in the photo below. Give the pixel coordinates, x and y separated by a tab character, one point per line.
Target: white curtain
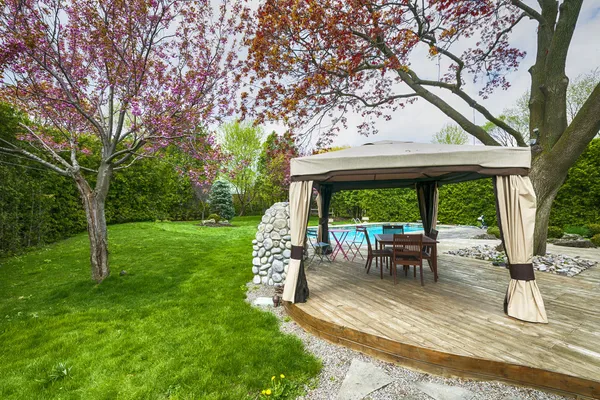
300	194
516	205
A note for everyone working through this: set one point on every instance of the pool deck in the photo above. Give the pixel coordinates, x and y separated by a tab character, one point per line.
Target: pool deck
456	327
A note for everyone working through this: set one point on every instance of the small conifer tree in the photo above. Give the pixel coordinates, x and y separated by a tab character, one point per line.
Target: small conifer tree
221	201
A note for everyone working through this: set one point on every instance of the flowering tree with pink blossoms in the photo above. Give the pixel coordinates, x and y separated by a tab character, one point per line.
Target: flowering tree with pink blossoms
133	76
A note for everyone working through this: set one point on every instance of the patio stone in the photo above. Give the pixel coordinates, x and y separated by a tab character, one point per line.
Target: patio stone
256	261
444	392
361	379
287	253
256	280
255	270
276	250
268	228
276	277
278	266
261	252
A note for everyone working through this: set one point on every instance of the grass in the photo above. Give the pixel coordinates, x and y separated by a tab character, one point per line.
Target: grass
175	326
578	230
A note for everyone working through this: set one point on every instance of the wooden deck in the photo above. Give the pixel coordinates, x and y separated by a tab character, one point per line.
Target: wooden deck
457	327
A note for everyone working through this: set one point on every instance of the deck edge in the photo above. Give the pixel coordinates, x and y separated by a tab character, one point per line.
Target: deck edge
441	363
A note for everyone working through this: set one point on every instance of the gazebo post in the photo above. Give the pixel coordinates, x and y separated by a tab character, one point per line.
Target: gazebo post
427	194
324	199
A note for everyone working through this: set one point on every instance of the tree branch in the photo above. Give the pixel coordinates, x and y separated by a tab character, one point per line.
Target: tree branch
33	157
531	13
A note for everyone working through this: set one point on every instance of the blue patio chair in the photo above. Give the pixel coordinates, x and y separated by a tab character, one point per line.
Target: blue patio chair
319	248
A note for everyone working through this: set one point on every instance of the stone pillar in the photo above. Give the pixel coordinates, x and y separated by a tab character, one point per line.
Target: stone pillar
271	249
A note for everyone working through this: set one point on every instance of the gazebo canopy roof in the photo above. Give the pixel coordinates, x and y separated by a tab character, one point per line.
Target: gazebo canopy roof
386	164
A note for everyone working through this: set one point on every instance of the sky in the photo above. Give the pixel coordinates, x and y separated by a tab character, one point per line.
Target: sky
420	121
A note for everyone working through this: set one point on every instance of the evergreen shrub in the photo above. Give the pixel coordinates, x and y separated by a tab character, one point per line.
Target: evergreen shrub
221	200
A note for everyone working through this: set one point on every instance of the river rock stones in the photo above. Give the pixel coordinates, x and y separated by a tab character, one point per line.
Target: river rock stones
272	245
559	264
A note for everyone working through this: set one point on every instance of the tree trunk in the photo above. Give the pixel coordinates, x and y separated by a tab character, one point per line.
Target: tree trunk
94	203
546	179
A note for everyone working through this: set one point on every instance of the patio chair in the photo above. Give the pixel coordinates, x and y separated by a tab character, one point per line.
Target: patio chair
427	250
355	245
371	254
407	251
319	248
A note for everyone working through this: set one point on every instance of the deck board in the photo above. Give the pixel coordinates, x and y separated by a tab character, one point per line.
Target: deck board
460	316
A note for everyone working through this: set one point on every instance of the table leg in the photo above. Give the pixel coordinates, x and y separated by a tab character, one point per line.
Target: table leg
342	240
434	261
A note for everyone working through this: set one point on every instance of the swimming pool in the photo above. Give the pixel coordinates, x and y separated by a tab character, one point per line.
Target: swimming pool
372	229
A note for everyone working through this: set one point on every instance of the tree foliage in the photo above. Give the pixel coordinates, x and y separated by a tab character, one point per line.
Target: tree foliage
451	134
241	143
221	201
274	168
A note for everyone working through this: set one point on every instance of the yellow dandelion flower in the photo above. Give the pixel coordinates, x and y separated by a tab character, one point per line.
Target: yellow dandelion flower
282	376
273	378
263	392
268	392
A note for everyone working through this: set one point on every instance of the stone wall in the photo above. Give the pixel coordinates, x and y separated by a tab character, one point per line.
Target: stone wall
271	249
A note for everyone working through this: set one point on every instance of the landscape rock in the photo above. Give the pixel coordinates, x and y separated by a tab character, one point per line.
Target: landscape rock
256	280
277	277
268	243
278	266
559	264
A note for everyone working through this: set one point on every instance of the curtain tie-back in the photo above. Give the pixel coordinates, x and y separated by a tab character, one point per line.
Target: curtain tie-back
522	272
297	252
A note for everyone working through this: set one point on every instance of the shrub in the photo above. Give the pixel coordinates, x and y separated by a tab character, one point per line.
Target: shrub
596	239
578	230
594	229
221	200
216	217
494	230
555	232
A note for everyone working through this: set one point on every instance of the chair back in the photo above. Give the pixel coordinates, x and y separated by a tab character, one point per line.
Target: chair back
408	245
434	234
363	230
387	229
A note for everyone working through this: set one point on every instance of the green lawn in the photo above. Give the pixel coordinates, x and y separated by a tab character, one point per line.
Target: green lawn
175	326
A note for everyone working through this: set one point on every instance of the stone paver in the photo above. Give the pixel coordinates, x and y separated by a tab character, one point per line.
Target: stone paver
361	379
444	392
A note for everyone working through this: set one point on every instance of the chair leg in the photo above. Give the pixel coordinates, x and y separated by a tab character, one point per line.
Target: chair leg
430	264
395	274
369	262
405	270
421	269
414	271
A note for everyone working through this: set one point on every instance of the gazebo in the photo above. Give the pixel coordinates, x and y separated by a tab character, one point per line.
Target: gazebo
392	164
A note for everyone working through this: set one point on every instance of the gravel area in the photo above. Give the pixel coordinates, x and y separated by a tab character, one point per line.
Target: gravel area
552	263
336	362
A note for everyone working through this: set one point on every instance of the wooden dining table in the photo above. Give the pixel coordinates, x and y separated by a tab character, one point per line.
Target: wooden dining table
387	239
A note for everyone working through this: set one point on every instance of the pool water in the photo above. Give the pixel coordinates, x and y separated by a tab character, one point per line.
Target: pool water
372	230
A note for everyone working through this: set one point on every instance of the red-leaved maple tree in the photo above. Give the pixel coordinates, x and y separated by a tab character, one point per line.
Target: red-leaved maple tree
130	76
313	61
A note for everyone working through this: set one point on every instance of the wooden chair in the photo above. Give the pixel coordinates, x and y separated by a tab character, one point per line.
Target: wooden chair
427	250
408	250
371	254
